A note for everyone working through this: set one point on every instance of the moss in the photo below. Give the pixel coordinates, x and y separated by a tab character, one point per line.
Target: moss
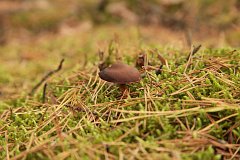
165	115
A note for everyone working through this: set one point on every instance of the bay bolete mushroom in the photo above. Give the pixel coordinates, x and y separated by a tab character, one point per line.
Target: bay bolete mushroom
121	74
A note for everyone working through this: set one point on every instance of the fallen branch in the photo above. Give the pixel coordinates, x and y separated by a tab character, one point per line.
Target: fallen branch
46	77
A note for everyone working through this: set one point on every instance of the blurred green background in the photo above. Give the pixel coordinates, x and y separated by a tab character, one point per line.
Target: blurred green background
198	19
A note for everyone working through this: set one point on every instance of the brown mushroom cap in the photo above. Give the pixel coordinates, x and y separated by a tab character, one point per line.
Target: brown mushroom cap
120	73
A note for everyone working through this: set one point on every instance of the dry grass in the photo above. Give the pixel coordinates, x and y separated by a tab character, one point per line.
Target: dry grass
189	111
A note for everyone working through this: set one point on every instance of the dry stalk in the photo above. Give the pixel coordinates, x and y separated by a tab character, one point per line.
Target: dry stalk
44	79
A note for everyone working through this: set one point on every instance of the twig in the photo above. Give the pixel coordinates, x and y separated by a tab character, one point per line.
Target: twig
44	93
102	63
101	55
188	37
141	60
235	153
233	51
159	70
46	77
41	118
194	51
163	60
7	151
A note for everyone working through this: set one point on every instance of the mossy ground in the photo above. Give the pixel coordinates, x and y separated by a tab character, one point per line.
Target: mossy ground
189	111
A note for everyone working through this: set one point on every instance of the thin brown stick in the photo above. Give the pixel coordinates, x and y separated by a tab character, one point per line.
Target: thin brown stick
188	37
46	77
163	60
7	151
44	93
194	51
235	154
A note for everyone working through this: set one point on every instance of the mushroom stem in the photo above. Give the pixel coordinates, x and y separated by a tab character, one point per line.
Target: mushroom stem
124	89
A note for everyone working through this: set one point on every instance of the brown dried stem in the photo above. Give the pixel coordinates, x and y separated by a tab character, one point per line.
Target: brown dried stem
44	79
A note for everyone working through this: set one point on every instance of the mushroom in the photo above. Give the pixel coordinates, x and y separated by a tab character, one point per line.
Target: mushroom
121	74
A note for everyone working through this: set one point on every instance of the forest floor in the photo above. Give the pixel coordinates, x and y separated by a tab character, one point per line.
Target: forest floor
188	111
